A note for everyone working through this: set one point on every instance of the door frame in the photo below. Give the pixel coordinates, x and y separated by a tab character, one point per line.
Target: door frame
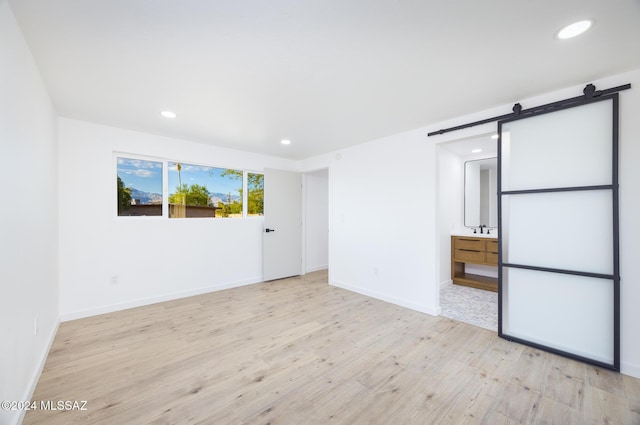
305	224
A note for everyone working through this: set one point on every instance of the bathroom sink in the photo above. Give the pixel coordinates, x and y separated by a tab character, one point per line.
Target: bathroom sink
493	234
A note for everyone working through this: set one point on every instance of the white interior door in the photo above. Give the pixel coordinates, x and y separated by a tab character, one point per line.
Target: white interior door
282	233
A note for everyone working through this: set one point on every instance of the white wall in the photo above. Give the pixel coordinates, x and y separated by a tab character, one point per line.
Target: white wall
109	263
450	201
403	244
382	220
28	217
316	211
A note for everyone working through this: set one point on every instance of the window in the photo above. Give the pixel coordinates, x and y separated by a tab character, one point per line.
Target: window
193	190
200	191
255	194
139	187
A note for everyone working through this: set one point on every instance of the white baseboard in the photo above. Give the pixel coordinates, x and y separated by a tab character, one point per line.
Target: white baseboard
630	369
388	298
94	311
35	376
445	283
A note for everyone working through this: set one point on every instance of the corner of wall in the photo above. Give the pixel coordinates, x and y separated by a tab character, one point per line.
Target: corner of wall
432	311
33	381
631	369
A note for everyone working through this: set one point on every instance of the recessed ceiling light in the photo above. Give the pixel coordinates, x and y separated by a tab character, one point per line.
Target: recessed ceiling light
574	29
476	151
285	142
168	114
495	136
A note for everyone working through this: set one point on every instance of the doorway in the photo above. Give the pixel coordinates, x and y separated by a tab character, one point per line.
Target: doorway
466	304
316	220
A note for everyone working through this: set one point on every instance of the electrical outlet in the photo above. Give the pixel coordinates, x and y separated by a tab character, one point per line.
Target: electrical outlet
114	279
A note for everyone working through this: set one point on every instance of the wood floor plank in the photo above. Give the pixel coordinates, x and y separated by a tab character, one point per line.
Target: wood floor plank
632	389
299	351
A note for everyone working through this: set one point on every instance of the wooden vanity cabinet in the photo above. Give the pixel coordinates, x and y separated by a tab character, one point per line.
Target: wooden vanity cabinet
467	249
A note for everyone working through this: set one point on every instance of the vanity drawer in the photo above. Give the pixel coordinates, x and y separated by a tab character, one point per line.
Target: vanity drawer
469	255
492	258
492	246
470	244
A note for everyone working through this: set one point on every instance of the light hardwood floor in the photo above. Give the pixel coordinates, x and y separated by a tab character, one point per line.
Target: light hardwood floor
298	351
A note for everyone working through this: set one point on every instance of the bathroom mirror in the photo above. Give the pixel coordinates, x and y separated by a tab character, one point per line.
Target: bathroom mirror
480	193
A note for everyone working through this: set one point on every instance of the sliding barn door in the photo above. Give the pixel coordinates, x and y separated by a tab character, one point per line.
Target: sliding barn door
558	195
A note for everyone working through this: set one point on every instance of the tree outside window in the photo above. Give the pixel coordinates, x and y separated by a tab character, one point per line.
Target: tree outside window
200	191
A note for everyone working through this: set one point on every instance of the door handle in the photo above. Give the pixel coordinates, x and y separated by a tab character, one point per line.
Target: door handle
269	230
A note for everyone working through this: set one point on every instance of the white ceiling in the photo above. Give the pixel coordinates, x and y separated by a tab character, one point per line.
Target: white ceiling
324	74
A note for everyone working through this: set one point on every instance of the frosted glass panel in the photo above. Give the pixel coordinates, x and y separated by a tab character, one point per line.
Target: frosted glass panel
567	148
565	312
561	230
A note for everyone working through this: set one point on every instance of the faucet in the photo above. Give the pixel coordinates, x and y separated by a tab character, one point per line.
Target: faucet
482	226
